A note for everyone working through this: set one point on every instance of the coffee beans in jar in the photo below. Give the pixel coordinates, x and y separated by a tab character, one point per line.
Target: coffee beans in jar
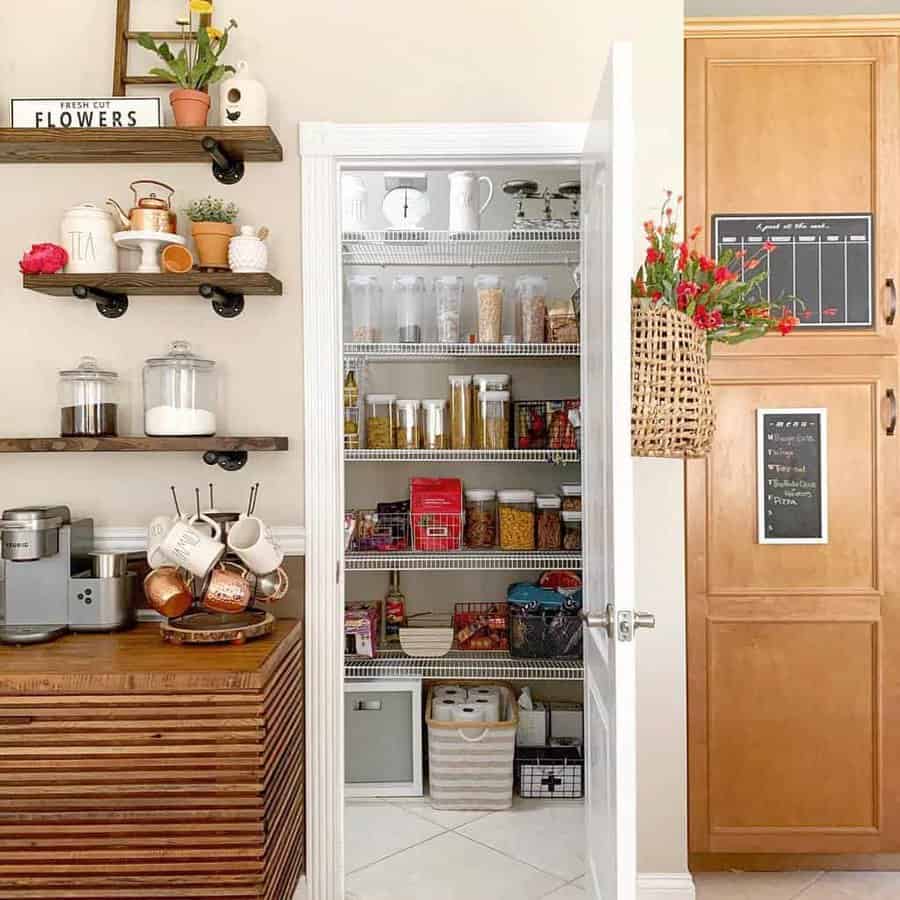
516	515
481	519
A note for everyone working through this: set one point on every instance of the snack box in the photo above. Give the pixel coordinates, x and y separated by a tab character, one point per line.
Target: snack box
361	629
436	508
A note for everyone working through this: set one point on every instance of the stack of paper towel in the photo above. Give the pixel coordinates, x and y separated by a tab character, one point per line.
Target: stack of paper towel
455	703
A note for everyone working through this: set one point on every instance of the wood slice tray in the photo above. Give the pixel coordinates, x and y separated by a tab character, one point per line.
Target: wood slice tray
217	628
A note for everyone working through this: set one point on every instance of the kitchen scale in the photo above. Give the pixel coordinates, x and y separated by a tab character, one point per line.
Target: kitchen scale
405	204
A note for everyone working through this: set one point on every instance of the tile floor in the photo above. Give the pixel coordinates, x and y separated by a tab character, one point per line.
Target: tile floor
798	885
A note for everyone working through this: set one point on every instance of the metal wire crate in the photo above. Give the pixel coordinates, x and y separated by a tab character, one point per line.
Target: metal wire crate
550	773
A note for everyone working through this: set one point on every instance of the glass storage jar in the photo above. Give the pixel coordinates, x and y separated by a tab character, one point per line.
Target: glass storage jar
409	299
571	530
408	433
180	393
435	427
481	519
531	308
489	290
448	295
381	421
365	308
351	428
88	400
460	412
494	420
549	528
516	514
571	497
482	383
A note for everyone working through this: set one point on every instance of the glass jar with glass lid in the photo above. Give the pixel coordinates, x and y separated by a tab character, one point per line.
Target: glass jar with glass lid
88	400
180	393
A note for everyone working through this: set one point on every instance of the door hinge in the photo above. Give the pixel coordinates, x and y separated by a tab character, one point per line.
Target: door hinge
627	622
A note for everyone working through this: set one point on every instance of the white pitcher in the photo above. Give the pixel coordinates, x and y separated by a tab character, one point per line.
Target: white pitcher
465	200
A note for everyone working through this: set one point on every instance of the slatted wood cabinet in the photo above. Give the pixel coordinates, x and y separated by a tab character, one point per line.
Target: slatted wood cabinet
793	669
130	768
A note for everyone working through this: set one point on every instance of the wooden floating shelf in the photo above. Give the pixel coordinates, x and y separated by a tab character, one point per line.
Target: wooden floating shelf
136	145
163	284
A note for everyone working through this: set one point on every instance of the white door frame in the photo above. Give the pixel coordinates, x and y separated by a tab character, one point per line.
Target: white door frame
325	150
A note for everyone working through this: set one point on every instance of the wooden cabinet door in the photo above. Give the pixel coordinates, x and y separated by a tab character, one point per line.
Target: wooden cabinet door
799	125
793	663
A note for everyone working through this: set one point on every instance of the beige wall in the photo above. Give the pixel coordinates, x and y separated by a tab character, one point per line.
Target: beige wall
345	61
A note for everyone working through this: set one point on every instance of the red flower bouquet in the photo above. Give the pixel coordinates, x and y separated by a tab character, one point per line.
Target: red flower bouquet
43	259
721	295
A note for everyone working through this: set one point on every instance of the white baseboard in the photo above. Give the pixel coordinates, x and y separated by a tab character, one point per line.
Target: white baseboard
665	886
292	539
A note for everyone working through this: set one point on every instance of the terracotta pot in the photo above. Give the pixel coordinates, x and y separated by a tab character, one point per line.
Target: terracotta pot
191	108
212	240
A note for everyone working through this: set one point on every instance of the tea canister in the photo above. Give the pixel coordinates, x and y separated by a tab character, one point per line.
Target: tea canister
86	232
243	100
247	252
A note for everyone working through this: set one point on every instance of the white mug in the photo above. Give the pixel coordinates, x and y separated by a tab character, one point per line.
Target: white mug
251	539
186	547
465	200
354	203
159	527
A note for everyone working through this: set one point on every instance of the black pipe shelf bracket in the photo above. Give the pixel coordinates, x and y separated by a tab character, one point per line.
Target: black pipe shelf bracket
229	460
227	304
224	168
110	304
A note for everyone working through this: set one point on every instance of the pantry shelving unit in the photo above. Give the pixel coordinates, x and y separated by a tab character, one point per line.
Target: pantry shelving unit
394	664
462	560
432	352
558	457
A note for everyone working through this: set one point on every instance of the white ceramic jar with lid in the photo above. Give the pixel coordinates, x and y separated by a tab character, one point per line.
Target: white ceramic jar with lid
180	394
86	233
247	252
88	400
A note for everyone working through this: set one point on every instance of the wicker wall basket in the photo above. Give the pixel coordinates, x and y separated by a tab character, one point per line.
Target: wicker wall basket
671	403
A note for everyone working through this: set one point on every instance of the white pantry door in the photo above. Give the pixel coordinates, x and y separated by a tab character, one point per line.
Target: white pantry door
609	678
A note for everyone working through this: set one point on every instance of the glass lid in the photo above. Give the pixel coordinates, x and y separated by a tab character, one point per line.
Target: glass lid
88	370
181	357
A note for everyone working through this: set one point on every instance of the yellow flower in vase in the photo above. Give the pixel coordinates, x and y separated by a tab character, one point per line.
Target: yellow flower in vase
204	7
215	34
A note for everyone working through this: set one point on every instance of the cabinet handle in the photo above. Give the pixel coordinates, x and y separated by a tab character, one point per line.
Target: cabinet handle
891	314
368	706
891	397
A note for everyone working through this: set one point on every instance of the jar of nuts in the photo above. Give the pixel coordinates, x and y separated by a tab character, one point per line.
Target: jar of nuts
516	515
481	519
549	528
571	530
381	421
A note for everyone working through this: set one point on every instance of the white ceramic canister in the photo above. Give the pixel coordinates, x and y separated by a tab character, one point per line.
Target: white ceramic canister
242	100
247	252
86	231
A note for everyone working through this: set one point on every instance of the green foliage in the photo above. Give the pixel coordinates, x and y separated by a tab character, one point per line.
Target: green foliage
212	209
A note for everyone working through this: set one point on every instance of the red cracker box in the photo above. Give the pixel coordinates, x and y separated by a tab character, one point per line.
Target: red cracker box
436	507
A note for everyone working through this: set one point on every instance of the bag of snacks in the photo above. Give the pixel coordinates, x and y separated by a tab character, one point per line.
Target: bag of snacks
481	626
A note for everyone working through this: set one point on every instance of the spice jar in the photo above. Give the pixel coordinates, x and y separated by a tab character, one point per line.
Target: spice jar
435	427
448	294
571	530
408	434
460	412
87	400
516	514
482	383
489	289
481	519
571	494
365	307
494	420
409	298
531	308
549	528
381	421
180	391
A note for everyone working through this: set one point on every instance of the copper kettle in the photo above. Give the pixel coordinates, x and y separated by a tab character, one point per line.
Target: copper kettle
150	213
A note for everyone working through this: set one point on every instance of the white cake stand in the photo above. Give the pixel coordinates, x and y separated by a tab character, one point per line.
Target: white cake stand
150	244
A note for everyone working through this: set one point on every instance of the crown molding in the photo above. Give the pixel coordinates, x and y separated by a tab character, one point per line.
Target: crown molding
792	26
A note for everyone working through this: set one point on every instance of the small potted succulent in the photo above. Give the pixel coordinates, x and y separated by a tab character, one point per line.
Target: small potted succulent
196	66
212	228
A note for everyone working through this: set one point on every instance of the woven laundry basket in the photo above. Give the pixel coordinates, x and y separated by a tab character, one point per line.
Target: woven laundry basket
470	765
671	402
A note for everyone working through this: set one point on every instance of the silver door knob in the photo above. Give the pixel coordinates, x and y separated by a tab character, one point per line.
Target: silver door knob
602	619
644	620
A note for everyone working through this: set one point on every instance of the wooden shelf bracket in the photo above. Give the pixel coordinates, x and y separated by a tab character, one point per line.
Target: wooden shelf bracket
110	305
229	460
225	169
227	304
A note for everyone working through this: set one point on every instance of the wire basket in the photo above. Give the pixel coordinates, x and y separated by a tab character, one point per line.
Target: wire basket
379	532
545	634
481	626
550	773
437	532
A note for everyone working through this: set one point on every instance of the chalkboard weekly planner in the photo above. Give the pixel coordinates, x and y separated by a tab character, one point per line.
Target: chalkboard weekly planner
825	260
792	475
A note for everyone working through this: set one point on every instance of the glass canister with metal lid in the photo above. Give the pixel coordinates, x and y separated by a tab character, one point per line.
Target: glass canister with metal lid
180	393
88	400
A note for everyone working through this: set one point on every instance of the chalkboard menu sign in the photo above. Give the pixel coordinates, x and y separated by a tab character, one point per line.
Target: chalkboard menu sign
826	261
792	474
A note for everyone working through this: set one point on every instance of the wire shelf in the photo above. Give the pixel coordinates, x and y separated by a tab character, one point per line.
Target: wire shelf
466	560
434	351
470	248
559	457
465	666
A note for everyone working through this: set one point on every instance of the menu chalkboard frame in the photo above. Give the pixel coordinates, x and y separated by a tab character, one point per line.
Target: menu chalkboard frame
787	412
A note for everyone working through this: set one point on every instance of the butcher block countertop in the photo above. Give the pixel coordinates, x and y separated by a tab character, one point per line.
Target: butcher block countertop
139	660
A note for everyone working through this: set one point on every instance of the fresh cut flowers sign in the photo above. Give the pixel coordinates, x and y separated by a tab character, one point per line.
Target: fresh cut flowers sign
86	112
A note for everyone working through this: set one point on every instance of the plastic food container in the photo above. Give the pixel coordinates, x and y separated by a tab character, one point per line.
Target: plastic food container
571	530
489	289
408	436
481	519
365	308
381	421
460	412
88	400
180	393
484	383
549	523
494	420
409	298
531	308
448	295
516	514
435	425
571	497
